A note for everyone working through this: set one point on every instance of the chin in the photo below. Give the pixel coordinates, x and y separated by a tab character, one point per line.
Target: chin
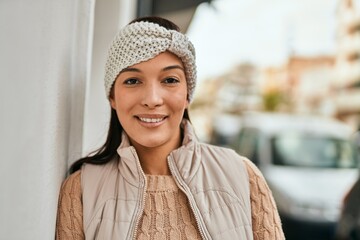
150	143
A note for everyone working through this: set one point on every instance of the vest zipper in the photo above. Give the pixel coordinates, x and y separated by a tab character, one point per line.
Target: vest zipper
183	187
143	185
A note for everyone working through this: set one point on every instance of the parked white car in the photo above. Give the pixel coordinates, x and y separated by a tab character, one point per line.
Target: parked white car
308	162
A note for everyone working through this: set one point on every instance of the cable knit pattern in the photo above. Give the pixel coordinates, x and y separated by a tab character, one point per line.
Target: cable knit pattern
142	41
167	214
266	222
69	224
167	206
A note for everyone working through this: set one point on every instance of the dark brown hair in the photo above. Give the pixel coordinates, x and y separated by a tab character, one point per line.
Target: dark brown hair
107	152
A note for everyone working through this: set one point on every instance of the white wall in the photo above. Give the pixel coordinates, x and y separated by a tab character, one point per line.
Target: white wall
44	65
47	78
110	16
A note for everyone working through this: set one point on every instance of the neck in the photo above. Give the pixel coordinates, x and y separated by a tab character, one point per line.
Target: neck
153	160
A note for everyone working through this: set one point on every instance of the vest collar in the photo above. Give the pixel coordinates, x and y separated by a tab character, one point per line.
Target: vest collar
183	157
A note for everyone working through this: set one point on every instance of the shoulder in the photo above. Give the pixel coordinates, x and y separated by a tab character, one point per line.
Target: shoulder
72	184
98	168
95	174
219	152
256	178
222	158
252	169
227	156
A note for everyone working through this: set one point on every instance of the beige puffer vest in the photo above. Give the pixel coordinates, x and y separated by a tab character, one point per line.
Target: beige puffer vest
214	179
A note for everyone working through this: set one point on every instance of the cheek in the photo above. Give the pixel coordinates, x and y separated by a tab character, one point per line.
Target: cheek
179	101
180	94
123	97
125	116
122	104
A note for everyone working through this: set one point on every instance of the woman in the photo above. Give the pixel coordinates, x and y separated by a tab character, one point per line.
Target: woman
152	179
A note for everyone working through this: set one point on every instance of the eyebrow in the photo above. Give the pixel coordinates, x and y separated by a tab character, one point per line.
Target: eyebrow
173	67
129	69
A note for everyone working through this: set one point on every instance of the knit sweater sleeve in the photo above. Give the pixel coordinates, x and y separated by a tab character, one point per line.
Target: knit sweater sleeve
69	222
266	222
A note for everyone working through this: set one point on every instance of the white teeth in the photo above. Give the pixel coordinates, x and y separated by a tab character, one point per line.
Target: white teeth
151	120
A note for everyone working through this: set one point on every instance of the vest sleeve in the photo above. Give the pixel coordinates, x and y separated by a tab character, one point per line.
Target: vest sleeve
69	222
266	222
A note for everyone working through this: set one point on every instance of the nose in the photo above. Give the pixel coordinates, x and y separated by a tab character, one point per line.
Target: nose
152	96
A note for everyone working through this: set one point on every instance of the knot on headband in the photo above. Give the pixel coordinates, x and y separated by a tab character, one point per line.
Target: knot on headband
179	43
142	41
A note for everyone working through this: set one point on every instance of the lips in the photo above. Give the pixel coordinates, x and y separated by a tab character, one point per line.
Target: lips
151	118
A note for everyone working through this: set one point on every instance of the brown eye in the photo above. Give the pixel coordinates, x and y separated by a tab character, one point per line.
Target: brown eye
131	81
171	80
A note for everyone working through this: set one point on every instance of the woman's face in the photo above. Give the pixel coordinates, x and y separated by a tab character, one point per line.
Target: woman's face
150	99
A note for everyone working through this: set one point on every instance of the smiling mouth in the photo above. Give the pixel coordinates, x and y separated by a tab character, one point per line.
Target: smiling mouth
151	120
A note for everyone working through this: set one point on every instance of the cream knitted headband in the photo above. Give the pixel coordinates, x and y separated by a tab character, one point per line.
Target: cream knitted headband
142	41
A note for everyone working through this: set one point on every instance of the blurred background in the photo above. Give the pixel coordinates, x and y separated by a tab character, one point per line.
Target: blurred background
278	81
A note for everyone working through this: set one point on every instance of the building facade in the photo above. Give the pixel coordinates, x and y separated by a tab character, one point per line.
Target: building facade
346	83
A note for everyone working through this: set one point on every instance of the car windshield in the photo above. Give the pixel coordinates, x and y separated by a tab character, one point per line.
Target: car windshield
312	151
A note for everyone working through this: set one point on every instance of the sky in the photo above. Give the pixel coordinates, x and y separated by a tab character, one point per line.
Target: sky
263	32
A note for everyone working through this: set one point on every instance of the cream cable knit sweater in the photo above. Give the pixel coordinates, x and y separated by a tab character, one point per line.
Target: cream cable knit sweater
167	214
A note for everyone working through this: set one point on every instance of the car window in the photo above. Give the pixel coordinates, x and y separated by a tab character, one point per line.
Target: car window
297	149
248	144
